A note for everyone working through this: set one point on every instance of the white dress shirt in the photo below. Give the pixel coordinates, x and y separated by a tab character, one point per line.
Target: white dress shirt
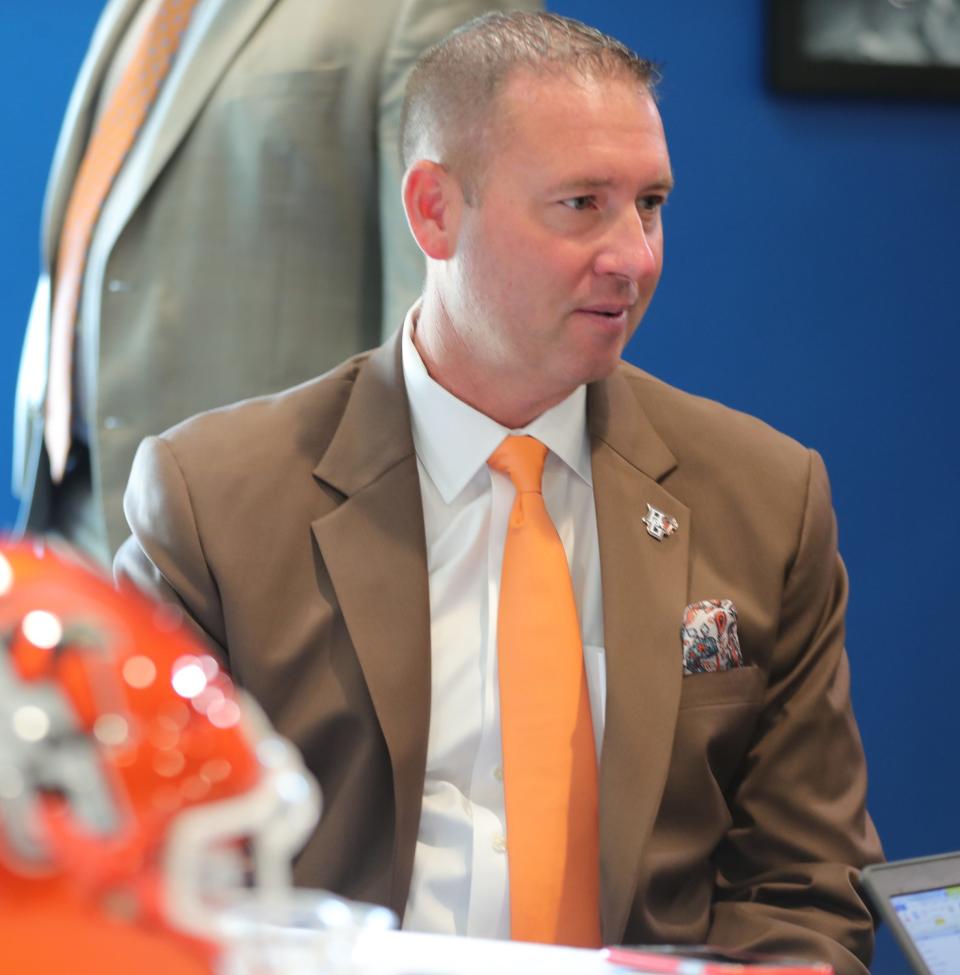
460	882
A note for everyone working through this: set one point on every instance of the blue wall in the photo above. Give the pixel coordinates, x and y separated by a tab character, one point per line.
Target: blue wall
810	279
41	47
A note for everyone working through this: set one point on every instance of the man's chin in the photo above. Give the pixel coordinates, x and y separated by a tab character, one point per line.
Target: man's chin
597	367
606	351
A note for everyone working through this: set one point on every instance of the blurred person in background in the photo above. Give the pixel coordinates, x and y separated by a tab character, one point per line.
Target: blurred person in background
222	219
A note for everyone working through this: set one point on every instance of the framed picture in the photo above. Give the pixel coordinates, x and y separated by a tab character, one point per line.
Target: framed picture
872	47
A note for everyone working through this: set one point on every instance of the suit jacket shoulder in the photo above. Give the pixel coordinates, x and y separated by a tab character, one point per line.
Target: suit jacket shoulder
227	493
711	436
276	524
294	425
748	487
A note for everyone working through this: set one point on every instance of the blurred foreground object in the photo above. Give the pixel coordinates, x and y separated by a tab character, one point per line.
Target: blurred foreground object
305	932
139	790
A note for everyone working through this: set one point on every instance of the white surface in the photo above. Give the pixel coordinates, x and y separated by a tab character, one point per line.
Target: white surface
405	953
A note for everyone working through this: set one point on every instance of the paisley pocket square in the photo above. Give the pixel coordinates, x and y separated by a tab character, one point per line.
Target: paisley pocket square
709	637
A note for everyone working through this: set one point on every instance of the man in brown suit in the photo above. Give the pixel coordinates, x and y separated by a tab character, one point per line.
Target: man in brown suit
322	541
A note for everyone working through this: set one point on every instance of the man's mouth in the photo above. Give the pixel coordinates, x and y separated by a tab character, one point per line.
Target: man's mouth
611	312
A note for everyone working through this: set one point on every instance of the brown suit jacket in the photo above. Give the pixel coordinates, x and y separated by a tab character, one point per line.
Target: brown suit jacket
732	804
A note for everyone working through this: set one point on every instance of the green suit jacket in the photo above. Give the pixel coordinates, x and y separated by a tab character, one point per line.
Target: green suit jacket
254	236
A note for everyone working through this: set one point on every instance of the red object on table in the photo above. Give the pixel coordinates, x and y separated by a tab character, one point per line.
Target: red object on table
705	960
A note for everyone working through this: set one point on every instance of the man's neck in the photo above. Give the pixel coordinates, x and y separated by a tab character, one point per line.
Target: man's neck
505	399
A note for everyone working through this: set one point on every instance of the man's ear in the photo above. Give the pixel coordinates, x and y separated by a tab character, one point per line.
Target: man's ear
432	199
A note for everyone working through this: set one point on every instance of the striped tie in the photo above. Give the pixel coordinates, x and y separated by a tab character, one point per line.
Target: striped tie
108	146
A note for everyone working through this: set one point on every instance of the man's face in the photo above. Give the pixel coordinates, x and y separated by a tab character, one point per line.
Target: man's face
559	254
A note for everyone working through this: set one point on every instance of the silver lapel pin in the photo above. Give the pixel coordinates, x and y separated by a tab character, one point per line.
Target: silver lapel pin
659	524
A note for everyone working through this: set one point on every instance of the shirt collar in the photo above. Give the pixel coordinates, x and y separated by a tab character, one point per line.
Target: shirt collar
453	440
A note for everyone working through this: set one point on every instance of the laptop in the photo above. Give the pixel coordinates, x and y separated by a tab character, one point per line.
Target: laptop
919	900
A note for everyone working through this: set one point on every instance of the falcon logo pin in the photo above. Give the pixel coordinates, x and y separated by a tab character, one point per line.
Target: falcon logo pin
659	524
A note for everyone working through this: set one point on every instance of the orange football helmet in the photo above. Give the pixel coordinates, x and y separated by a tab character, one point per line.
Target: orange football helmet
138	786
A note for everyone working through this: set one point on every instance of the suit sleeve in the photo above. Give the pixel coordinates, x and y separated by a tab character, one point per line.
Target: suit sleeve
164	555
420	24
784	874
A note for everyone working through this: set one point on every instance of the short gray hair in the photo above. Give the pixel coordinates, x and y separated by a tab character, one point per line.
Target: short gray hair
452	90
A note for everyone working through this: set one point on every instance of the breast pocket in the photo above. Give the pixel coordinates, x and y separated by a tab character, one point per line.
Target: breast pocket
742	685
718	713
715	724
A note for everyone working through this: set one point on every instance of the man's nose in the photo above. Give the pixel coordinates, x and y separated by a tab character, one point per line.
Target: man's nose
630	248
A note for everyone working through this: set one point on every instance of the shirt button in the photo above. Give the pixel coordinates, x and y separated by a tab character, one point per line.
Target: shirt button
498	773
500	844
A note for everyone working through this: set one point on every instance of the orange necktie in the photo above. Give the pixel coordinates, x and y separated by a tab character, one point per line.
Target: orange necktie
549	759
106	150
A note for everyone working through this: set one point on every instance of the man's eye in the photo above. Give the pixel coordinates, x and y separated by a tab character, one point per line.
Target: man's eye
579	202
649	204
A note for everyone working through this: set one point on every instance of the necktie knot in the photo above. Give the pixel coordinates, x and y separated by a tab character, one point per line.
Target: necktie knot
522	460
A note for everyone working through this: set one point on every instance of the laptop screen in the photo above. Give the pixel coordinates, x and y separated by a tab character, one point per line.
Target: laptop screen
932	919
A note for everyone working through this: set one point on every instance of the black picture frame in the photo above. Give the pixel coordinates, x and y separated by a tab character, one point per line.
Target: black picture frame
839	47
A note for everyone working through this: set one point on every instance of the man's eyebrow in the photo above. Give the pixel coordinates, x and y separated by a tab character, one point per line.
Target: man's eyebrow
586	184
664	185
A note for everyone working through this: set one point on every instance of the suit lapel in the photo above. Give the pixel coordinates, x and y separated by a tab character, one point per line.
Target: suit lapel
207	51
374	549
644	594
